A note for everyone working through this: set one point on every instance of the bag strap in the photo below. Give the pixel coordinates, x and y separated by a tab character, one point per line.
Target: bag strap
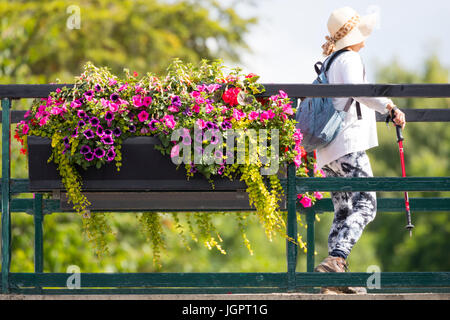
350	100
358	107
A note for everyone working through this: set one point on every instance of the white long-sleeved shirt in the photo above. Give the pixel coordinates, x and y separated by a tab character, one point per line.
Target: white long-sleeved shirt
356	135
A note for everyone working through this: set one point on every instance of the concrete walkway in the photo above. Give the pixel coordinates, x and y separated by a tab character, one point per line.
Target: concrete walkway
270	296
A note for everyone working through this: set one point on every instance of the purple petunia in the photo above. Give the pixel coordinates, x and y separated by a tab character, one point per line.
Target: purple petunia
75	133
89	95
89	156
114	97
152	124
97	87
89	134
66	140
109	116
81	123
187	112
94	121
110	155
107	132
100	131
211	125
226	125
176	101
117	132
99	153
107	139
132	128
81	114
85	149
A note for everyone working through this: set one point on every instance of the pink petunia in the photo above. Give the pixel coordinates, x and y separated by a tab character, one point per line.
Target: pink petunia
264	116
112	82
175	151
306	202
201	123
56	111
238	114
137	101
104	102
169	121
43	121
282	94
25	129
138	89
298	136
196	108
143	116
288	109
253	115
298	160
147	101
114	107
209	108
173	108
318	195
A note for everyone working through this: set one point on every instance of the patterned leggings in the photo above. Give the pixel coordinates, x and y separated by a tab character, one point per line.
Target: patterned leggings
352	210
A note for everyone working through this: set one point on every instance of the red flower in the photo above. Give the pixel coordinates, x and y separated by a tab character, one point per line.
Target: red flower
135	74
230	96
250	75
303	153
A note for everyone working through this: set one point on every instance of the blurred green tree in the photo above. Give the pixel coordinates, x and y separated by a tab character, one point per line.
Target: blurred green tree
44	40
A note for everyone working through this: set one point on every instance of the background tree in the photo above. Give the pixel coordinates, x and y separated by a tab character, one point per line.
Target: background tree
142	35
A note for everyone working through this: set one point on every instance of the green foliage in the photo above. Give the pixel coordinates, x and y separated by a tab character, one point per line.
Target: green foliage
37	45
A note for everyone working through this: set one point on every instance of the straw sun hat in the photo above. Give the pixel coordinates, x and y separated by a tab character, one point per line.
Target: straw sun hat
346	28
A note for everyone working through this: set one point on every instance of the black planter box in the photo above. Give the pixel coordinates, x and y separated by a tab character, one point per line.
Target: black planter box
144	169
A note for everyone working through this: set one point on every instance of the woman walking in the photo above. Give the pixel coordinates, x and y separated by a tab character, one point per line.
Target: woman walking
346	155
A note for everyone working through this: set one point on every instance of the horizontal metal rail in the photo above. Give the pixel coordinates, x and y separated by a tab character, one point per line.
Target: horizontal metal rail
233	279
19	91
325	205
373	184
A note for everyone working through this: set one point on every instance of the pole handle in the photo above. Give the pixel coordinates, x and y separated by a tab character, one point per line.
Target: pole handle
399	133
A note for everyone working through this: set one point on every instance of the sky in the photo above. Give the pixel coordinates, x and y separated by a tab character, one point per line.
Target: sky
287	41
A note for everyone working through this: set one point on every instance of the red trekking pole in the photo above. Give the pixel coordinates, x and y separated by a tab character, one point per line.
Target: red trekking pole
409	225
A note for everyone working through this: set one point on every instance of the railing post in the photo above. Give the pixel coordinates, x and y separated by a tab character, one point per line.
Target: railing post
291	243
310	245
38	235
6	197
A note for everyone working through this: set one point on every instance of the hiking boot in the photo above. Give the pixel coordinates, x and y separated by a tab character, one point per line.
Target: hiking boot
337	264
355	290
332	264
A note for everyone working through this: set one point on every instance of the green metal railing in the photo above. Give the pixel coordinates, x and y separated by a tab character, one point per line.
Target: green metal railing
289	281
